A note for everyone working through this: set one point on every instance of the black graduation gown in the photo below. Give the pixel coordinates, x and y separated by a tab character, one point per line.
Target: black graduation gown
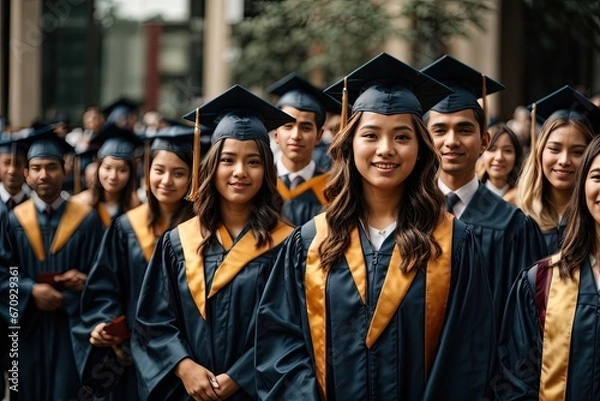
112	290
171	328
46	359
321	158
520	344
509	241
300	207
394	368
554	238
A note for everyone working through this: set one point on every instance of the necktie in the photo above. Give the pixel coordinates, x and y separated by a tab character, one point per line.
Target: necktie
10	204
451	200
296	181
49	212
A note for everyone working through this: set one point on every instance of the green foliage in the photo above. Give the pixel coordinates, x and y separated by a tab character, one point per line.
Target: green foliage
328	36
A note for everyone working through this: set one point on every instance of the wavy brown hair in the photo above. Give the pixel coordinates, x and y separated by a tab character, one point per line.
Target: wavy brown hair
580	236
185	210
267	201
421	207
125	195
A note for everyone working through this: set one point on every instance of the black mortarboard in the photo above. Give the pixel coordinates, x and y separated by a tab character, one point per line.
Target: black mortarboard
115	141
10	146
239	114
298	93
466	82
45	143
567	102
176	138
119	108
386	85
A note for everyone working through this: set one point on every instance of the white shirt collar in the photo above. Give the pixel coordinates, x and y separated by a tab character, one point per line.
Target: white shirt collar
377	236
5	196
498	191
464	193
306	173
41	205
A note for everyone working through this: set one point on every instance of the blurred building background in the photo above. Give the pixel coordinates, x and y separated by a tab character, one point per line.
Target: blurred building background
61	56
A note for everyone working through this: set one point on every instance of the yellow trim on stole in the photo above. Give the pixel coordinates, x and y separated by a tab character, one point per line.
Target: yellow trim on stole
104	215
138	218
558	327
71	218
236	259
27	216
395	287
316	184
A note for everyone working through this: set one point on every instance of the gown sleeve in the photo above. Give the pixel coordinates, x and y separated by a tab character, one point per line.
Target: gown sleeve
283	356
158	343
520	346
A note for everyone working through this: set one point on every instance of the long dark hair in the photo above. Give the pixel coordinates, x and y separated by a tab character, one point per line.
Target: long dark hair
421	206
580	236
513	175
125	195
185	211
267	201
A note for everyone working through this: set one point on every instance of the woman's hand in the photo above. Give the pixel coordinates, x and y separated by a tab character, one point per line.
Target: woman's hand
199	382
100	338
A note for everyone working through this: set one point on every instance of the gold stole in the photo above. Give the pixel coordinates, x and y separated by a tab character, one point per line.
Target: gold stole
558	327
316	184
104	215
395	287
138	218
239	255
72	217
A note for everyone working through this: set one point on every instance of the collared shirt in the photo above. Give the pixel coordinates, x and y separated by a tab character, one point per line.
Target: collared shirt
464	193
498	191
41	205
306	173
5	196
377	236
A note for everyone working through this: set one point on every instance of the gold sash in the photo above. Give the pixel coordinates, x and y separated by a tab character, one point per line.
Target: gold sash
316	184
236	259
72	217
558	327
138	218
104	215
395	287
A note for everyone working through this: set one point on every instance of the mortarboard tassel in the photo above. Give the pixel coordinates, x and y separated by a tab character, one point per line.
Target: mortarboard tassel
196	161
344	114
532	131
484	100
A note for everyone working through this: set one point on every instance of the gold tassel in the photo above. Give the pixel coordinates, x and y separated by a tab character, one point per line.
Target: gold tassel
344	115
196	159
532	131
483	98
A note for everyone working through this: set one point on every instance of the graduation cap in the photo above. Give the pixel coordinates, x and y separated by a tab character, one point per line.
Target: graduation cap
45	143
467	83
296	92
569	103
119	109
13	146
238	114
386	85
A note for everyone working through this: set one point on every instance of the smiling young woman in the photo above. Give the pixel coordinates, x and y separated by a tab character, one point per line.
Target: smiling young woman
368	300
551	320
548	177
197	310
